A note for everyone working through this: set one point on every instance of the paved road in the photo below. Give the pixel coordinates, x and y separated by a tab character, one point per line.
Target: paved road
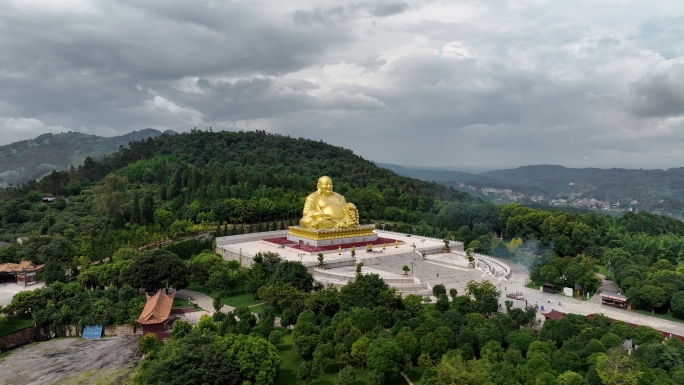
570	305
9	289
207	303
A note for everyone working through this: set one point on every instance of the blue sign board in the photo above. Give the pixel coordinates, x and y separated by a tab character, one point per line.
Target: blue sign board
92	331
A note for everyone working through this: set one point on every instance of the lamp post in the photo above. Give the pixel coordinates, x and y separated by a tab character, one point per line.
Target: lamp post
423	242
563	281
383	227
608	265
412	269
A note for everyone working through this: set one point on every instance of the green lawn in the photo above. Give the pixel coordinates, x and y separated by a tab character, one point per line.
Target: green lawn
240	298
603	270
235	298
180	303
14	324
259	309
288	370
194	286
665	316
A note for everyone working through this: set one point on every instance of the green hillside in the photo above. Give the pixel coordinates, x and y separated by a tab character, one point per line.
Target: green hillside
178	186
31	159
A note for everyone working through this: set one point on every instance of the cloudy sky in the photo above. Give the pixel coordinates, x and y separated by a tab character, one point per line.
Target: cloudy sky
454	84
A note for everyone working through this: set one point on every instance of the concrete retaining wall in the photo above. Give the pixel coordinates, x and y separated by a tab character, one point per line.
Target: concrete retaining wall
231	254
251	237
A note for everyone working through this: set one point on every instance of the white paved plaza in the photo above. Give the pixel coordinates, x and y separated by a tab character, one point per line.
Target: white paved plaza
250	244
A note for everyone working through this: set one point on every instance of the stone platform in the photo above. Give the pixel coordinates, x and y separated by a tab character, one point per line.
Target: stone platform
332	237
360	246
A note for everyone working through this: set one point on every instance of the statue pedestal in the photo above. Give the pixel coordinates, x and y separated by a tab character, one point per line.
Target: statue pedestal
328	237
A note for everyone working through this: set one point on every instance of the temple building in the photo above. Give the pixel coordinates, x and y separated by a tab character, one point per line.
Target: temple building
24	272
155	315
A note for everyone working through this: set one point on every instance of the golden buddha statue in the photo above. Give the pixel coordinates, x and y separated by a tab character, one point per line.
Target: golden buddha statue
325	209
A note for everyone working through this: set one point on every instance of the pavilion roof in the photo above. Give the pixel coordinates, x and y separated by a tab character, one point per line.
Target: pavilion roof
21	267
554	314
157	308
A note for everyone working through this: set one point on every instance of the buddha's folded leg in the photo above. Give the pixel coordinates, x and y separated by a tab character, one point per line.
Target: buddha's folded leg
317	223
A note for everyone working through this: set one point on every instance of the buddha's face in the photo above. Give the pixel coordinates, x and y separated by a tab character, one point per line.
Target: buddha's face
325	186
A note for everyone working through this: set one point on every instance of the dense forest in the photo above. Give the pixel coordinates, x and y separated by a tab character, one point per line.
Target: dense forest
100	239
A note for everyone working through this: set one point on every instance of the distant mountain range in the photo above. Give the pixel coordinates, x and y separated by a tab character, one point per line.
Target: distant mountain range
614	190
31	159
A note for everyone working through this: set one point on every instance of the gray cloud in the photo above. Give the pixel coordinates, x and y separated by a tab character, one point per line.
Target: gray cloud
493	84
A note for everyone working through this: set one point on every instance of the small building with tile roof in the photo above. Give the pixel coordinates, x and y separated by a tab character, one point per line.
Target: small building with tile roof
554	314
23	272
155	315
615	300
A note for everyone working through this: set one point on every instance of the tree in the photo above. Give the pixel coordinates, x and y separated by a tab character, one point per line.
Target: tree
323	355
365	291
306	372
621	329
438	290
485	294
442	303
617	368
475	245
147	209
275	337
110	196
677	304
359	350
653	296
571	378
453	293
320	258
549	274
181	328
159	268
446	239
148	343
643	334
406	269
414	305
295	274
509	305
194	359
217	304
125	254
346	376
385	357
136	217
203	264
258	360
54	272
163	218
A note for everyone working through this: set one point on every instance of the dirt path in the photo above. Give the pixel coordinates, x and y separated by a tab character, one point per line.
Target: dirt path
71	360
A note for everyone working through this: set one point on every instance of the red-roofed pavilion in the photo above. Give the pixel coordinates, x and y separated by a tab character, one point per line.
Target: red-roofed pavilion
155	315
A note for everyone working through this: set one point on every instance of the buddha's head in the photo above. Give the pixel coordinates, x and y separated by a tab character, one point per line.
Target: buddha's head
324	185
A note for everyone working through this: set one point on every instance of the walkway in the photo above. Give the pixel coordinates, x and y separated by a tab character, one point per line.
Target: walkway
520	276
10	289
207	303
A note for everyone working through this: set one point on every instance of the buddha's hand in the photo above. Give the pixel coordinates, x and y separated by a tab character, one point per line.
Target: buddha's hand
321	214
